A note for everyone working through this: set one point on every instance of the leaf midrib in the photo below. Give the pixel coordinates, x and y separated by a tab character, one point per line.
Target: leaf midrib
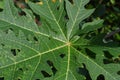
56	21
39	54
68	64
75	20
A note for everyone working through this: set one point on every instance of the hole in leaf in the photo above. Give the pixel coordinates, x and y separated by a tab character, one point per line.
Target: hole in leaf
18	50
66	17
78	48
37	19
21	69
49	38
1	10
58	7
84	71
54	70
1	78
35	38
37	22
100	77
50	63
22	13
118	72
37	79
20	4
13	52
2	44
45	74
71	1
11	29
62	55
6	31
107	54
27	39
107	61
90	53
116	60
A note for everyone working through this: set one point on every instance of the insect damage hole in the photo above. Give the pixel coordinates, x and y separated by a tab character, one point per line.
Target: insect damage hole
107	54
21	69
2	44
116	60
101	77
1	9
37	19
90	53
15	51
84	71
109	57
22	13
62	55
50	63
45	74
71	1
118	72
35	38
58	7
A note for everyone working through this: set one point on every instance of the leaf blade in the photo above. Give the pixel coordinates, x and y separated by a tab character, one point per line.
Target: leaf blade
75	11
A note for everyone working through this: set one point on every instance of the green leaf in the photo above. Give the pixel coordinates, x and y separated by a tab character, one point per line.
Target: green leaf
76	13
91	26
54	15
53	50
10	16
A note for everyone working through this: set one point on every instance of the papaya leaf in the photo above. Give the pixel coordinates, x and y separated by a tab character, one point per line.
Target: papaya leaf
54	50
76	13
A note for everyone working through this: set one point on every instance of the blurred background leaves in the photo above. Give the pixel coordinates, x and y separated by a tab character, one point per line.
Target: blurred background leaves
109	10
